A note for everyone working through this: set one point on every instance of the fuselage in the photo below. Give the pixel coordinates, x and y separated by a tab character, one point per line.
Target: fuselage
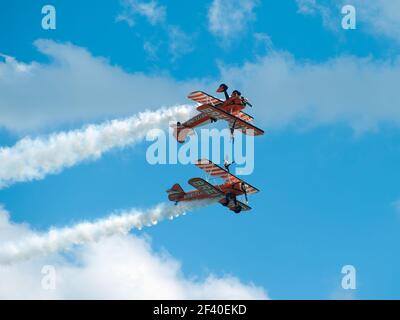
198	195
233	106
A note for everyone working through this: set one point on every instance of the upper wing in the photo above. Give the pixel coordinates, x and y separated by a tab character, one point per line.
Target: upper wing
216	113
204	98
206	188
216	171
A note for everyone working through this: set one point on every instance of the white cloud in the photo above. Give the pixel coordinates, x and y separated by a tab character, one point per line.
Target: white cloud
358	92
314	7
382	17
228	19
263	42
75	87
377	17
150	10
15	66
179	42
119	267
176	42
152	49
31	159
124	17
307	6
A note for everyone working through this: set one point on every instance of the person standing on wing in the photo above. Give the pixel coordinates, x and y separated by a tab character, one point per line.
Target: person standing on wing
227	164
236	96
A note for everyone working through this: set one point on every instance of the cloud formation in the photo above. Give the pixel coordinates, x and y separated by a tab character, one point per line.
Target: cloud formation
313	8
357	92
116	267
175	41
151	10
376	17
75	87
228	19
360	92
382	17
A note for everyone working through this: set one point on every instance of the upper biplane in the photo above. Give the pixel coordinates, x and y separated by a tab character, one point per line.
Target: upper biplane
225	193
213	109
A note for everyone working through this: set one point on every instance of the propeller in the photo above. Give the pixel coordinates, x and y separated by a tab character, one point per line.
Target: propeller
246	102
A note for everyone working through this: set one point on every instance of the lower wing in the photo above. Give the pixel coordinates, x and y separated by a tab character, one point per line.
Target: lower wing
244	207
216	113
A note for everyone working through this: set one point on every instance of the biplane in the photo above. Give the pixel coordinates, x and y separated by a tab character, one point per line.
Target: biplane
212	109
226	193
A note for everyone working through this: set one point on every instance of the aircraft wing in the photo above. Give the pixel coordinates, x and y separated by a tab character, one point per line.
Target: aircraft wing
244	207
216	113
204	98
210	190
216	171
206	188
244	116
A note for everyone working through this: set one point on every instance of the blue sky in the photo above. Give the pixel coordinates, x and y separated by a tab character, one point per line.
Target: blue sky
327	170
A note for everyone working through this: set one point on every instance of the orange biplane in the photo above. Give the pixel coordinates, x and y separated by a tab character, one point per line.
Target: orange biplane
213	109
225	193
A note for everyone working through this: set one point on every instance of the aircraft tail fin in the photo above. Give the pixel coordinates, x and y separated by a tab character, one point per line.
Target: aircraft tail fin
181	132
175	193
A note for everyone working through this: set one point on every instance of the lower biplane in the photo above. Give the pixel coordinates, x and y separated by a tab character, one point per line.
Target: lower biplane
212	109
226	193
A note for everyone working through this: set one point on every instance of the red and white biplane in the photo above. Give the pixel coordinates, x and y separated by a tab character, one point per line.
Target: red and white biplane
213	109
225	193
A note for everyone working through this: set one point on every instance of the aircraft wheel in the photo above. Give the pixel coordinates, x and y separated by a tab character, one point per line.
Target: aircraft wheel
238	209
225	203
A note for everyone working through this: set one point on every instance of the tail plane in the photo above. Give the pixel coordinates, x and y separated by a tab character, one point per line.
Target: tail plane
175	193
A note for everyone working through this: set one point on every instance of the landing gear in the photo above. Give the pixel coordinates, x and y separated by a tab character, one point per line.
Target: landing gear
225	203
237	209
178	124
231	197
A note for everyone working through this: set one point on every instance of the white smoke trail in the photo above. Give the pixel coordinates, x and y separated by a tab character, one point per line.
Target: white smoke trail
62	239
31	159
